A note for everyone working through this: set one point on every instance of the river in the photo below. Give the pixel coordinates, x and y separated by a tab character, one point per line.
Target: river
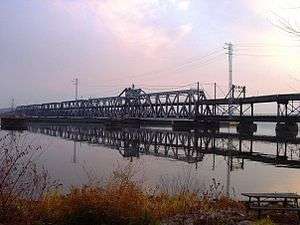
73	154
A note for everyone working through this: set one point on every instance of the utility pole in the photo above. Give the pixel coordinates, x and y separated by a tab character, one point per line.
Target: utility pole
215	97
198	90
74	152
12	104
198	99
75	83
229	48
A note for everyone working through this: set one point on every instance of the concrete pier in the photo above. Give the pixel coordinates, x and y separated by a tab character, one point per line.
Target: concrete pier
183	125
12	123
246	128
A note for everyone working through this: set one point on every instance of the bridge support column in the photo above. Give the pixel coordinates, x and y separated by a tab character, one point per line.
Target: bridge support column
119	123
11	123
183	125
208	126
246	128
286	129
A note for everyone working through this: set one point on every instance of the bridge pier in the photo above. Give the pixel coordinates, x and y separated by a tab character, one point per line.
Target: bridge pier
131	149
12	123
246	128
117	123
206	126
183	125
287	129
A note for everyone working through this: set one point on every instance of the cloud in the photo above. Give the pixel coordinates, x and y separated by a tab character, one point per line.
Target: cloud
183	5
131	21
185	29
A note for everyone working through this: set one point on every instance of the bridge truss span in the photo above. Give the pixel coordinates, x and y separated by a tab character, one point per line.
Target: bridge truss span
190	104
131	103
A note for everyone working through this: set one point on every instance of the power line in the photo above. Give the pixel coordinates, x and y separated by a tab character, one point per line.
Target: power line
166	86
202	64
260	55
180	68
172	68
103	86
266	45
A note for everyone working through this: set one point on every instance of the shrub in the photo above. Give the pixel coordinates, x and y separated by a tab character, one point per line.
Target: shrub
26	197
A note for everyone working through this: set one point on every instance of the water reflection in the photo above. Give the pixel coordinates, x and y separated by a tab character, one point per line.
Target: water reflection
75	152
243	163
190	147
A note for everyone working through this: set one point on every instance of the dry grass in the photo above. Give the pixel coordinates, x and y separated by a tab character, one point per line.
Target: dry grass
120	202
27	197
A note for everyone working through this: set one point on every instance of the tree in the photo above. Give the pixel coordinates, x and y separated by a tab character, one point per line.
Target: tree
288	22
287	26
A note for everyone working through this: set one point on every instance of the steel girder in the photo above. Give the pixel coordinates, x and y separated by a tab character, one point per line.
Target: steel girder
172	104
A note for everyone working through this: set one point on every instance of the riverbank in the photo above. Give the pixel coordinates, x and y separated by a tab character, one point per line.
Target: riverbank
120	202
29	196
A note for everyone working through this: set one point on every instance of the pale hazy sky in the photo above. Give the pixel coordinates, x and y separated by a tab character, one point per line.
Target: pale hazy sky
110	44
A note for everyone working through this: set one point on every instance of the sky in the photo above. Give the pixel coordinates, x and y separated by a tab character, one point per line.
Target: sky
155	44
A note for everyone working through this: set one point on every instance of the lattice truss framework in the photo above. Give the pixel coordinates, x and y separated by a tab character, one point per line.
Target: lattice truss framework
288	108
131	103
184	146
229	108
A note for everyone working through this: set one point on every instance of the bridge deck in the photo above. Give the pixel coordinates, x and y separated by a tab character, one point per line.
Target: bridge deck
281	98
168	106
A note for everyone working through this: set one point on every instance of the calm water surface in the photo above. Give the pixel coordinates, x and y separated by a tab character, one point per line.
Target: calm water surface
72	152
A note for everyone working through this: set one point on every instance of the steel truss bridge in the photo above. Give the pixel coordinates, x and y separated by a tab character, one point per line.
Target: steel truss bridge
131	103
188	104
189	147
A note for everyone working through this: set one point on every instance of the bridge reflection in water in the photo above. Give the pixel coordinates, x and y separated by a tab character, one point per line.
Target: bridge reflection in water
190	147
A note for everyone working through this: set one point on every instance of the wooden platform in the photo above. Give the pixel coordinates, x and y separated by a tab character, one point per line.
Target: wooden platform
283	202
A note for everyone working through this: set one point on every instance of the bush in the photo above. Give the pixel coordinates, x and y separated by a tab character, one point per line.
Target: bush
26	197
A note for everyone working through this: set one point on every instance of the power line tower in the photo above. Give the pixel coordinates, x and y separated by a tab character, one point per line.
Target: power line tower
76	83
229	48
